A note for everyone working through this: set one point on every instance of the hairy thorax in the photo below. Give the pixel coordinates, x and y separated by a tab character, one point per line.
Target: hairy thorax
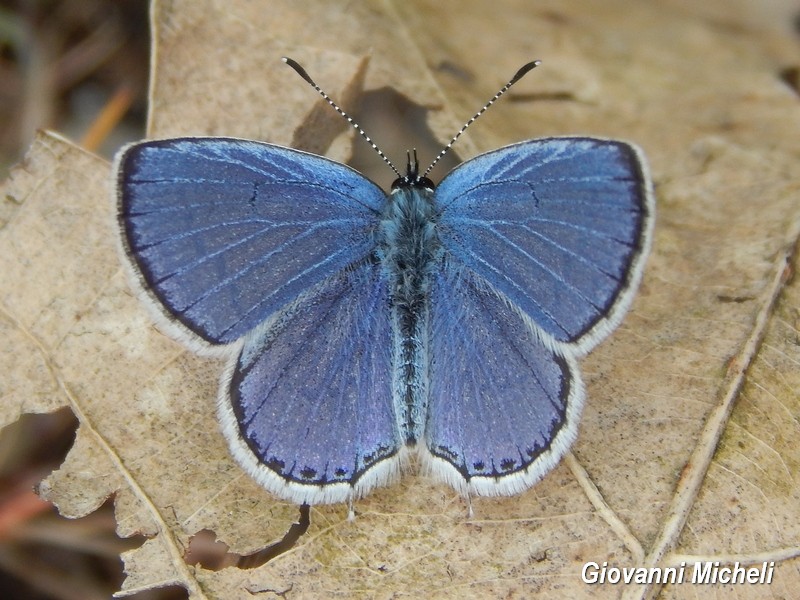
409	249
409	244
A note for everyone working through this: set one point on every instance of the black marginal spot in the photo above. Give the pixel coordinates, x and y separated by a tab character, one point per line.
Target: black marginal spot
308	473
276	464
381	453
340	473
507	464
479	466
450	456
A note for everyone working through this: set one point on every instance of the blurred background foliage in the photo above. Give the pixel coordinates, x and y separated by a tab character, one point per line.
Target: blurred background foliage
65	65
79	67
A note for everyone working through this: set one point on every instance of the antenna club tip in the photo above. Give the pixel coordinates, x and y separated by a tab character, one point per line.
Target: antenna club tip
525	69
298	69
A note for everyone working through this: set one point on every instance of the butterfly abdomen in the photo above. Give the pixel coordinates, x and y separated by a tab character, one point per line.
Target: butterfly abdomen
409	250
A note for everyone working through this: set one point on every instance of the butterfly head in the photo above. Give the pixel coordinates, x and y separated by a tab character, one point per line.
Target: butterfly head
412	178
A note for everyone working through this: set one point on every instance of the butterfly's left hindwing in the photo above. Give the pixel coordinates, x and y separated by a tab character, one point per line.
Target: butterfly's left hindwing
307	406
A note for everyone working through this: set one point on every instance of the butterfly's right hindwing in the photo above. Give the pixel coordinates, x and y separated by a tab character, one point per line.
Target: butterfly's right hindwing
503	407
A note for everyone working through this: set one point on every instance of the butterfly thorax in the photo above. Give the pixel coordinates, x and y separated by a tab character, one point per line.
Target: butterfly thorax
409	244
409	248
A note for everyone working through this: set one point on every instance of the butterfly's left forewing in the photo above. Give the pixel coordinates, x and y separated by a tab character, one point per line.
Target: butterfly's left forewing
221	233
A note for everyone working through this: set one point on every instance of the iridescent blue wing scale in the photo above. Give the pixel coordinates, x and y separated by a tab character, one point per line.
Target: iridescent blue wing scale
503	405
267	253
543	247
559	226
221	233
307	407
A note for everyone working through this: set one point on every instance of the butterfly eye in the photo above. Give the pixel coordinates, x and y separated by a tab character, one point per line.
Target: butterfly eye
424	182
408	182
400	183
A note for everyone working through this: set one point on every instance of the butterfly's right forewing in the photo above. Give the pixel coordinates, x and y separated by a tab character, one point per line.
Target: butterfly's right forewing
561	227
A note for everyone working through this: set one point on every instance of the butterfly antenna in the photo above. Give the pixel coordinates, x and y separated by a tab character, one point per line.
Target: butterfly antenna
302	72
517	76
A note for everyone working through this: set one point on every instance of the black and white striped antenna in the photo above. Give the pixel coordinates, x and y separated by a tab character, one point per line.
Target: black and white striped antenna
302	72
517	76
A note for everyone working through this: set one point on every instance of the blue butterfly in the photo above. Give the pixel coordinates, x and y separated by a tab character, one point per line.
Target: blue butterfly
444	321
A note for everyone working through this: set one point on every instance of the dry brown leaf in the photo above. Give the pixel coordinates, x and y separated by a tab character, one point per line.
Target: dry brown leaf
695	84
